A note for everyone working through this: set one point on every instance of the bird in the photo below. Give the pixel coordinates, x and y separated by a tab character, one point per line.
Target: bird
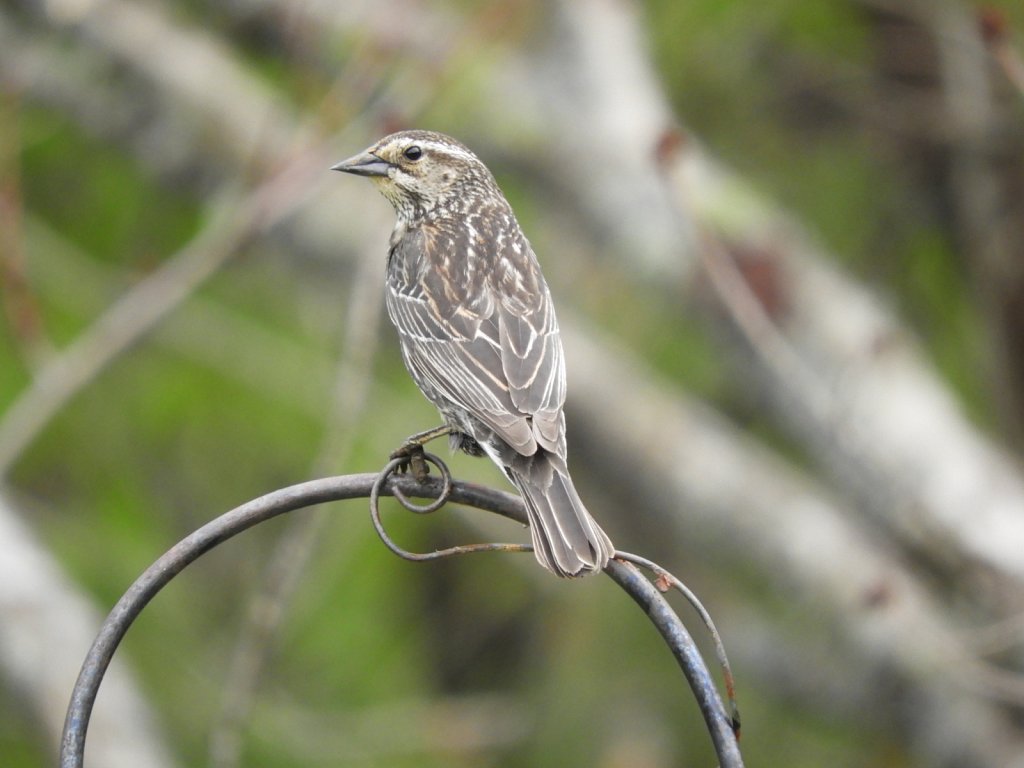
478	332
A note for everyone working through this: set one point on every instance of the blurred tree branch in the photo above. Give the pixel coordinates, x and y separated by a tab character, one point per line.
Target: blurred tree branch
48	624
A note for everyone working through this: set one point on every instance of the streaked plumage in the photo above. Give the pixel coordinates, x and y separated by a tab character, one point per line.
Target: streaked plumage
478	330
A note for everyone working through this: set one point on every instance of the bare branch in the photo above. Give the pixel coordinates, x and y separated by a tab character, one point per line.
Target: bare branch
141	309
290	558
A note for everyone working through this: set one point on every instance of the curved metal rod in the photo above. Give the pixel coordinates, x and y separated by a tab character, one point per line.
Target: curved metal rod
664	580
647	596
189	549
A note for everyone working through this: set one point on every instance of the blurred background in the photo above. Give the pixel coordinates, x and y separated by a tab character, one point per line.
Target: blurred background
786	241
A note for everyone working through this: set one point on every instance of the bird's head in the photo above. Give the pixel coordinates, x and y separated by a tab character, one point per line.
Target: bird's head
421	171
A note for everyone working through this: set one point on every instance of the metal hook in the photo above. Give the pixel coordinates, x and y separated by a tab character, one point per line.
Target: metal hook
446	490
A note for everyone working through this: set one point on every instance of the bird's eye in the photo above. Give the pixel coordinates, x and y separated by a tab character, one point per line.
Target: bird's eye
413	153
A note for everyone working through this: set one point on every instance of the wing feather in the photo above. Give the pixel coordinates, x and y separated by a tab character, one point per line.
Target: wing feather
501	361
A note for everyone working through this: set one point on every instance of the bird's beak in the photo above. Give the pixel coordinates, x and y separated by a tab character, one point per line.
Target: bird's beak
363	164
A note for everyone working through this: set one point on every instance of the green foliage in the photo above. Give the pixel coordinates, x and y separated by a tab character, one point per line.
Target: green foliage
98	197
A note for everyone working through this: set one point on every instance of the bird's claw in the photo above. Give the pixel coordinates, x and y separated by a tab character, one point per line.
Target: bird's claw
412	460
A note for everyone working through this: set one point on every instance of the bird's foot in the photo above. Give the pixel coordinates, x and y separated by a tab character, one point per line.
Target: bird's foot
411	452
411	456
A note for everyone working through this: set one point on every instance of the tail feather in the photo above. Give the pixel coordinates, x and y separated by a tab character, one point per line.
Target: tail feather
566	539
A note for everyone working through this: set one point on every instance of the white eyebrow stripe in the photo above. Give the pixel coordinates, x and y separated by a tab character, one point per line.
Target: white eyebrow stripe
447	149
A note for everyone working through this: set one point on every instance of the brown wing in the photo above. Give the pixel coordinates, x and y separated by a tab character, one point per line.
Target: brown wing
480	333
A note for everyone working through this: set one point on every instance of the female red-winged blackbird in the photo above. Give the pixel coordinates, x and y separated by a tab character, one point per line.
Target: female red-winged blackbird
478	330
